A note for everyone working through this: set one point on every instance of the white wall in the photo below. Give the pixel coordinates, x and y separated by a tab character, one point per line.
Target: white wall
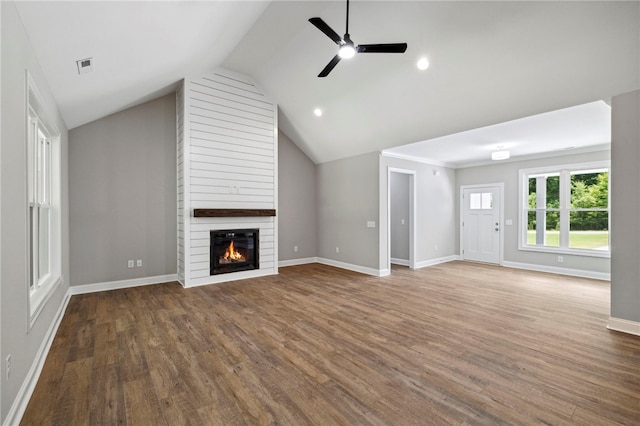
435	210
25	347
227	159
625	207
122	201
347	200
399	215
297	203
507	173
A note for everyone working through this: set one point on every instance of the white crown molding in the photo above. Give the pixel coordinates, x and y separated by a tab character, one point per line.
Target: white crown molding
417	159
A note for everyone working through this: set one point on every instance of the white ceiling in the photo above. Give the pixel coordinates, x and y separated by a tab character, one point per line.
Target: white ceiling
491	62
139	49
580	128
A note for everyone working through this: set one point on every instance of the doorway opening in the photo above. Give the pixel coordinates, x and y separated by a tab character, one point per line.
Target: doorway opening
401	215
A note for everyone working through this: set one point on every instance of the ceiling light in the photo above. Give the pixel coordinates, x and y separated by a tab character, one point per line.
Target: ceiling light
500	155
423	64
317	112
347	51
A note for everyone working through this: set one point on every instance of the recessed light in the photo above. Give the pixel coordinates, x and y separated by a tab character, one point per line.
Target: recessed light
423	64
317	112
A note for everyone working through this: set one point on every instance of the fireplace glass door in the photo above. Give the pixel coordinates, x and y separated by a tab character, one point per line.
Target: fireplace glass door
234	250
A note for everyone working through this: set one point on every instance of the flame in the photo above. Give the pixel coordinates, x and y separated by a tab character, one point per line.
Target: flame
231	254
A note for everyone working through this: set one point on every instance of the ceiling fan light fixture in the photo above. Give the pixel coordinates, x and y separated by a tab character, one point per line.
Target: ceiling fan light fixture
347	51
500	155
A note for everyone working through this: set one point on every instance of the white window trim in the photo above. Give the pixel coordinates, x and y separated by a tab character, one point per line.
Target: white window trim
523	193
42	292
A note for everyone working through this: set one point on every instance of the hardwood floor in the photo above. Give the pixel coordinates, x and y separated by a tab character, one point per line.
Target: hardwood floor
454	344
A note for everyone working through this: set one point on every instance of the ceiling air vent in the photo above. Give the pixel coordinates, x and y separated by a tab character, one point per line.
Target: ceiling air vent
85	65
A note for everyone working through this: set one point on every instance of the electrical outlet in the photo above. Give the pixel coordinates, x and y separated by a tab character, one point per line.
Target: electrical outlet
7	365
435	248
139	263
295	249
129	263
560	259
401	221
337	249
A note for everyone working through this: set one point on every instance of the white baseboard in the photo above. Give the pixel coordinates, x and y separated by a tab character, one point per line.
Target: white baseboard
624	326
29	384
116	285
355	268
402	262
295	262
562	271
437	261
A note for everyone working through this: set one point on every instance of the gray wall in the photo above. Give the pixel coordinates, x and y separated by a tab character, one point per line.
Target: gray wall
347	199
508	173
625	207
399	189
297	202
435	209
122	172
18	55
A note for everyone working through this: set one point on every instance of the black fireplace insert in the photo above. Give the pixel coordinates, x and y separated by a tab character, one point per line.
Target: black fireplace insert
234	250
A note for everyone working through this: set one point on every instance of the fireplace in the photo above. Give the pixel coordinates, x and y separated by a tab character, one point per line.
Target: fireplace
234	250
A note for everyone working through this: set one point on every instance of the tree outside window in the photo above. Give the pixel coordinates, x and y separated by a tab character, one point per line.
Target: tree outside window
566	208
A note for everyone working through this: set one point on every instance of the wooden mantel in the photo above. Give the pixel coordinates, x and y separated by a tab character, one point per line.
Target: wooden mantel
233	212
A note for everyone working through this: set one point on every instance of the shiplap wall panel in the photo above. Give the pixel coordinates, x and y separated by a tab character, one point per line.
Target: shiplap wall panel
180	172
229	154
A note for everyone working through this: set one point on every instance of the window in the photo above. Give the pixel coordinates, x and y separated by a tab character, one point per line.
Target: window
566	209
43	180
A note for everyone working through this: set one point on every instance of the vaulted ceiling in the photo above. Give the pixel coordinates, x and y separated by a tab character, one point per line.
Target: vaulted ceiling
490	62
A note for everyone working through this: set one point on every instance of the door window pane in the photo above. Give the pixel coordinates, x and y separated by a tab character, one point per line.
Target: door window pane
481	201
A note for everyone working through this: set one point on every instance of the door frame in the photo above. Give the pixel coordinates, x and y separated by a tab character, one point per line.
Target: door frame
500	186
412	214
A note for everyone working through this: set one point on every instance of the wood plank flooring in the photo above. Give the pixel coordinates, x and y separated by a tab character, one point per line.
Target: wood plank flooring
454	344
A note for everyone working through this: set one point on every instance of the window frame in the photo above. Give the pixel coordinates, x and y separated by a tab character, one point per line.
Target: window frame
44	193
564	209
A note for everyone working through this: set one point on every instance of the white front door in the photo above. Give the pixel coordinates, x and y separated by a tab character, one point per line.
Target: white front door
481	225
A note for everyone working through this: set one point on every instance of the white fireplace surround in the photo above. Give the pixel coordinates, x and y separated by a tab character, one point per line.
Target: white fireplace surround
227	159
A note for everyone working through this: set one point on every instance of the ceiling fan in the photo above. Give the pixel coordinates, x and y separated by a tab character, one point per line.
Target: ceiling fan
348	48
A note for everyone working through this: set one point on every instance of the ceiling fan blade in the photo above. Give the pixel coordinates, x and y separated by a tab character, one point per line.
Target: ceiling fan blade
382	48
331	65
322	26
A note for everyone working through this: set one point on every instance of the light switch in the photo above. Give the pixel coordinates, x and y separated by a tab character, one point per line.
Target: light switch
371	224
508	222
